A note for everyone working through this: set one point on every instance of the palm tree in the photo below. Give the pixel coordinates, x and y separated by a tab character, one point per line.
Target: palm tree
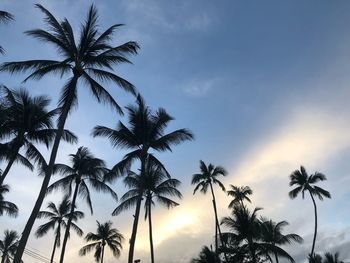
332	258
206	256
85	170
58	217
304	182
146	132
156	186
89	58
27	121
4	18
5	206
106	235
271	233
315	258
205	179
239	194
8	245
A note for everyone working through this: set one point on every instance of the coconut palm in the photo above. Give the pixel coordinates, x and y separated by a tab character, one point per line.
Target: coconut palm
271	233
304	182
205	179
5	206
206	256
146	132
106	235
8	245
89	58
86	170
58	217
4	18
27	122
239	194
156	187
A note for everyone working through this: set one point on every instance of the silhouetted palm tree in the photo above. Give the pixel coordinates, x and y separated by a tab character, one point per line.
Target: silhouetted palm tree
58	217
315	258
332	258
106	235
27	122
8	245
85	170
304	182
206	178
4	18
87	58
206	256
146	132
239	194
271	233
5	206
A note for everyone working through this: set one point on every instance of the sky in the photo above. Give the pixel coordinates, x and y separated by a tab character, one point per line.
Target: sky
263	85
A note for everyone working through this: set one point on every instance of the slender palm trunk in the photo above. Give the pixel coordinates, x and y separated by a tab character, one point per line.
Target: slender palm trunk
315	232
9	165
276	257
55	244
29	225
216	218
66	234
103	252
150	232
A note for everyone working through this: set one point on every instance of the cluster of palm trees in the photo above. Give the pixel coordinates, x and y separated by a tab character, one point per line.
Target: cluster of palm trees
26	122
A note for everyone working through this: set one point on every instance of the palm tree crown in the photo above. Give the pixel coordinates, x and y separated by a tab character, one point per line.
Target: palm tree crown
8	245
5	206
239	194
106	235
4	18
206	256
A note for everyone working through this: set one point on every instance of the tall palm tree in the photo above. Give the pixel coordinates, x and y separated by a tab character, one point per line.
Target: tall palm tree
58	217
239	194
106	235
89	58
4	18
5	206
271	233
304	182
156	186
205	179
27	122
86	170
8	245
206	256
146	132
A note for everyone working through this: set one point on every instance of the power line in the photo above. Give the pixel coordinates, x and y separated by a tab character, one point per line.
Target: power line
36	256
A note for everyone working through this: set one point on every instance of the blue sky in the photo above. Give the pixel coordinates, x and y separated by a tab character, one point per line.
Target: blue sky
262	84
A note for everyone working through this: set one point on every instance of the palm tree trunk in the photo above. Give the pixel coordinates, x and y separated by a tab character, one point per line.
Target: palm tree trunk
55	244
66	234
103	252
276	257
150	231
9	165
29	225
315	232
216	218
3	257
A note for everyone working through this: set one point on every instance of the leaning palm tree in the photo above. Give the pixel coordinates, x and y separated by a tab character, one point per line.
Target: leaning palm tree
5	206
146	132
4	18
304	182
8	245
205	179
27	122
206	256
271	233
58	217
86	170
90	58
106	235
239	194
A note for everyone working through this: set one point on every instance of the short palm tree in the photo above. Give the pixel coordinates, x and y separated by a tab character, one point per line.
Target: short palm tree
146	132
271	233
86	170
27	122
4	18
206	256
58	217
90	59
205	179
106	235
8	245
5	206
239	194
304	182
